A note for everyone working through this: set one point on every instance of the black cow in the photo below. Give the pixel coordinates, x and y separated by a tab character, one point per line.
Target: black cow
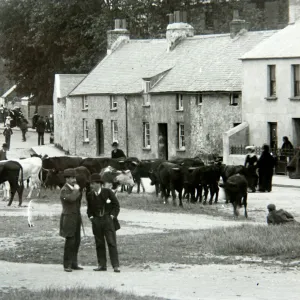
56	178
169	177
12	172
236	188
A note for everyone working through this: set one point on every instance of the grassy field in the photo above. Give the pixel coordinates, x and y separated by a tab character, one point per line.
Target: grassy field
41	244
78	293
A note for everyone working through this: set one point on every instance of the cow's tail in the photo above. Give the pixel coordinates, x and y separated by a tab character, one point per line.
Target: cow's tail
21	182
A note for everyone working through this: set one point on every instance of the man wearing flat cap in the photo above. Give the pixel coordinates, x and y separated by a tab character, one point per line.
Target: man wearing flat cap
116	153
276	217
3	152
103	209
70	220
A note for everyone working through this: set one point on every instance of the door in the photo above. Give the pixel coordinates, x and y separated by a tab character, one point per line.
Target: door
163	141
99	137
296	132
273	135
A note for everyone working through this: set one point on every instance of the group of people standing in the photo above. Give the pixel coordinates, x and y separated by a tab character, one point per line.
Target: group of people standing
262	168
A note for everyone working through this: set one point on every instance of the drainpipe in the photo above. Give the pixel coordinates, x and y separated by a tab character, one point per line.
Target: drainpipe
126	123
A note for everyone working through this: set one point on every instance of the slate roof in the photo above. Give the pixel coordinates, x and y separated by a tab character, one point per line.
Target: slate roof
199	63
65	83
284	44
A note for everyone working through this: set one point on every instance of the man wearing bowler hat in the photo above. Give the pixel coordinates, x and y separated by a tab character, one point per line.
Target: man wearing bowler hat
70	220
116	153
103	209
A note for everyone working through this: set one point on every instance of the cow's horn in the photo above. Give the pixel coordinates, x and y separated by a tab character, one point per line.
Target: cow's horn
46	170
135	163
192	168
177	169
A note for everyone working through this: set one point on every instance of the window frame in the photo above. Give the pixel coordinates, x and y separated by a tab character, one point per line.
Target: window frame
113	103
199	99
180	137
272	81
296	81
114	130
85	130
146	135
179	102
234	101
85	103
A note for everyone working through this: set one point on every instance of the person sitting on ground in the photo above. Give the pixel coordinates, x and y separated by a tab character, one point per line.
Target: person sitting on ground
116	153
280	216
3	152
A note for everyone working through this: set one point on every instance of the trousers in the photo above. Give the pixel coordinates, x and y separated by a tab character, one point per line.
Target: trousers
40	138
103	230
71	248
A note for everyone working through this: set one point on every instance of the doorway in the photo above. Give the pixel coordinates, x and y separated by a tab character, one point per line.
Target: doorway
296	132
163	141
273	138
99	137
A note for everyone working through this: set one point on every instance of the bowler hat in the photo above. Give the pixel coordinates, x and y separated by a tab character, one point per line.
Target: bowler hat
271	207
69	173
115	144
95	177
4	145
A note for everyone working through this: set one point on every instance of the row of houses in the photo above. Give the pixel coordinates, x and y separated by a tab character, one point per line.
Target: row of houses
187	89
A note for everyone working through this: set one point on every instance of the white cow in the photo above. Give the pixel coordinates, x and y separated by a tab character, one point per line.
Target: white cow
31	169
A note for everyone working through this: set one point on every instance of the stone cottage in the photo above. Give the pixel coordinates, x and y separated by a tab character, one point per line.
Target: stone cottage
185	90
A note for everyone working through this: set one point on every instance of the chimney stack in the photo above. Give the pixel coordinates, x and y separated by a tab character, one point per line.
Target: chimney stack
236	25
178	29
117	35
294	11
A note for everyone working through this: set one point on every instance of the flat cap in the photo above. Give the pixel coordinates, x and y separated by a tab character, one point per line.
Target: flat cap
271	207
69	173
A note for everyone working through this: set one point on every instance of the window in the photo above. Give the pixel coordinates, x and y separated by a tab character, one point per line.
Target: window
296	80
113	102
146	101
147	86
272	80
179	102
85	130
146	135
198	99
85	104
114	130
180	136
234	99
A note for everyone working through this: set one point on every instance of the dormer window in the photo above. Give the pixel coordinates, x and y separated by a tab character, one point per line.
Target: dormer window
234	99
179	102
85	104
113	102
198	99
146	86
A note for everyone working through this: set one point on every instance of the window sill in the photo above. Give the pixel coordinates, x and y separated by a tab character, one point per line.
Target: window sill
271	98
296	98
233	104
86	142
179	110
113	109
85	109
181	150
146	105
146	149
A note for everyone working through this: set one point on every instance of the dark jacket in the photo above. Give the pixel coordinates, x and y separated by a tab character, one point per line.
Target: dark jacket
71	201
40	126
266	163
119	153
3	155
7	132
280	216
23	126
97	205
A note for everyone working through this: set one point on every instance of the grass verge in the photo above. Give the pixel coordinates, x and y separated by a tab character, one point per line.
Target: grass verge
71	294
184	247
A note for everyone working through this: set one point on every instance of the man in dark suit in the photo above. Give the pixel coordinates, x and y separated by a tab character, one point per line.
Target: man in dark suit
70	220
40	128
117	153
103	209
3	152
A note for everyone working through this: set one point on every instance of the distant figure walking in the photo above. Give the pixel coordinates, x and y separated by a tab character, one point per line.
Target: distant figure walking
3	152
40	128
24	128
266	164
35	118
276	217
251	165
287	147
7	133
48	129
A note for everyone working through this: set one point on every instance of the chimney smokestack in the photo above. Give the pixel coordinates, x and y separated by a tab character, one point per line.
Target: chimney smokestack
120	33
236	25
294	11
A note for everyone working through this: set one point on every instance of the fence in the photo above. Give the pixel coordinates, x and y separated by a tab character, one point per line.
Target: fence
258	150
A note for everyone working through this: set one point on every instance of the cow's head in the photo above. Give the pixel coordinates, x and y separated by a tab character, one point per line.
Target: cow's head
153	177
53	178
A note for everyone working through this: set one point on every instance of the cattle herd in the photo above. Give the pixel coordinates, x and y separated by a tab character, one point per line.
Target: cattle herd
188	175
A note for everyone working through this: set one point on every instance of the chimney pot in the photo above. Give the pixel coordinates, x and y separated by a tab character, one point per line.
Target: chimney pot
177	18
184	17
117	36
117	23
294	11
171	18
